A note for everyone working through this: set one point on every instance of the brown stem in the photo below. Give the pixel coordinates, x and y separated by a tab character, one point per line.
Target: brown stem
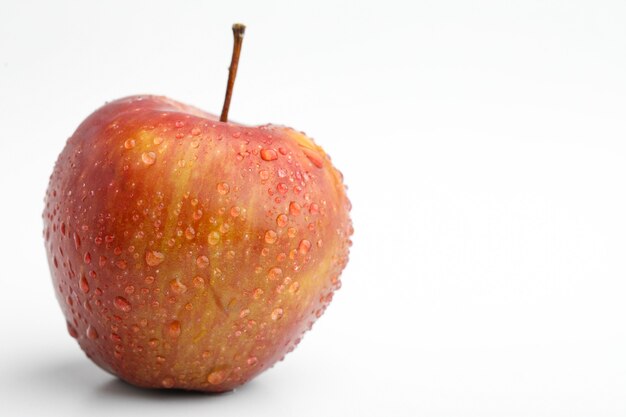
238	31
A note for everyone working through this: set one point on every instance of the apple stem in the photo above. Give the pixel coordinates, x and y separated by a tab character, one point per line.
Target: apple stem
238	31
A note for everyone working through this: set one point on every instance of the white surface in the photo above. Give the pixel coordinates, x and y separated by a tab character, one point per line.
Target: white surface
483	143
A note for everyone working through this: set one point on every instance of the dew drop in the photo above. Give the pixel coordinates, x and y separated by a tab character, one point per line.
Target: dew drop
190	233
154	258
198	282
281	220
214	238
83	284
268	154
148	158
76	241
270	236
216	377
252	360
274	273
304	247
282	188
277	313
235	211
174	328
202	261
294	287
157	140
129	143
195	131
223	188
314	157
178	287
257	293
122	304
167	382
71	330
92	333
294	208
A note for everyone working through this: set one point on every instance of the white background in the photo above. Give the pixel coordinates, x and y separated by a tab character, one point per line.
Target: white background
484	146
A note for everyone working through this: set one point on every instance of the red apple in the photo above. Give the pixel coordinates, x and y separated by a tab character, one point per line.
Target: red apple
187	252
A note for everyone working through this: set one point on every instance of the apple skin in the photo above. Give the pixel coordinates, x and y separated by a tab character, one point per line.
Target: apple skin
190	253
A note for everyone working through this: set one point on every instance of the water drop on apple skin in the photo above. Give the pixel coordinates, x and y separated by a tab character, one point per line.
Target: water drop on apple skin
268	155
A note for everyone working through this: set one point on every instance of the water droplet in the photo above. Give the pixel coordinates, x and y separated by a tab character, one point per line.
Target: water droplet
190	233
277	313
197	215
87	258
174	328
294	208
178	287
129	143
304	246
121	264
122	303
179	124
274	273
167	382
258	292
76	241
71	330
198	282
252	360
235	211
270	236
154	258
202	261
148	158
282	220
282	188
223	188
149	279
195	131
294	287
314	157
264	175
216	377
244	313
157	140
268	154
92	333
314	208
292	231
214	238
83	284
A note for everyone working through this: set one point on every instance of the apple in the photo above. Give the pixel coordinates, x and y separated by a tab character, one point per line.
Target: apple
187	251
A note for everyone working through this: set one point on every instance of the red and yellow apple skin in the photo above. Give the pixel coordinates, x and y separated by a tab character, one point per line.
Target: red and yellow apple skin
189	253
